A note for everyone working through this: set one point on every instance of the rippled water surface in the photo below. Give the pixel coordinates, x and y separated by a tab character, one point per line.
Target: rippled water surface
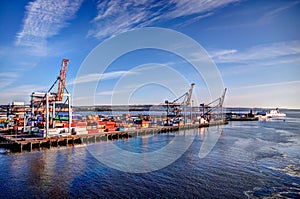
259	159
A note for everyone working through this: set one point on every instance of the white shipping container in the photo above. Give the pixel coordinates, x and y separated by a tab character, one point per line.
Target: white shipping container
18	103
81	132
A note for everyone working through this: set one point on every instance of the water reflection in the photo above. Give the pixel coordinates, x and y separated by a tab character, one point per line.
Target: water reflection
249	159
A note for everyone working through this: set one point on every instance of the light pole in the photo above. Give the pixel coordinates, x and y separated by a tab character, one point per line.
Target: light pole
202	105
167	102
191	112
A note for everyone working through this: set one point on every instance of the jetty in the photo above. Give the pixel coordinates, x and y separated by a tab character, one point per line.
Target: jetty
22	143
50	121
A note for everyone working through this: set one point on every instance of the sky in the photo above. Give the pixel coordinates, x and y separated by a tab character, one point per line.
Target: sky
255	46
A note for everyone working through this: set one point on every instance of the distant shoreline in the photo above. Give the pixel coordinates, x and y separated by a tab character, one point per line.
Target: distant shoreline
145	107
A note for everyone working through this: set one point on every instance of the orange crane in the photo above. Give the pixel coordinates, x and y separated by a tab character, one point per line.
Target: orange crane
62	79
53	97
43	102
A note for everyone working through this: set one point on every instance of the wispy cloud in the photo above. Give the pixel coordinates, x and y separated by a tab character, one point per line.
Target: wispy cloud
195	19
4	82
266	52
255	16
111	92
117	16
279	94
222	53
268	85
258	63
12	67
8	75
44	19
269	16
96	77
7	78
190	7
19	93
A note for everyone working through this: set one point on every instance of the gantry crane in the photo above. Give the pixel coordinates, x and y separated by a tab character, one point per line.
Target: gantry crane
219	101
186	98
176	107
62	79
214	106
41	101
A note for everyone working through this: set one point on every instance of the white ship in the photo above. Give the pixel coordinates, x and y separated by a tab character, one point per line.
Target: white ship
275	114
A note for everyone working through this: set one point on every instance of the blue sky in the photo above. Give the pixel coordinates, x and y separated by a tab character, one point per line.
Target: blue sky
254	44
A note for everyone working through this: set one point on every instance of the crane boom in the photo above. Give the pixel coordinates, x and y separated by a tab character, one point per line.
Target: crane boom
184	95
189	96
62	79
222	98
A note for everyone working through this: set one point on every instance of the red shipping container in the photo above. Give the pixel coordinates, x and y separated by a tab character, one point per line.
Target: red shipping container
81	123
110	126
75	121
101	123
93	131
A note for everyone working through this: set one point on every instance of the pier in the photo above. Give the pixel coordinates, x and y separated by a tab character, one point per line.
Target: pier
49	120
22	143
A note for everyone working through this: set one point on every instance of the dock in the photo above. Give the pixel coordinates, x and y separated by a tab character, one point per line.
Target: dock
21	143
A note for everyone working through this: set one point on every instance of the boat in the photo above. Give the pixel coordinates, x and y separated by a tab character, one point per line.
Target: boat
241	116
275	114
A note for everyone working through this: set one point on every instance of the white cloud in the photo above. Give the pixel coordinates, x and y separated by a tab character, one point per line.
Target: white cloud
111	92
117	16
8	75
195	19
268	85
44	19
223	52
189	7
262	76
5	82
20	93
13	66
280	94
257	53
7	78
269	16
96	77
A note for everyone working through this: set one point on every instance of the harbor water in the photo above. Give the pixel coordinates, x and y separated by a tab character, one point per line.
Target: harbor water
251	159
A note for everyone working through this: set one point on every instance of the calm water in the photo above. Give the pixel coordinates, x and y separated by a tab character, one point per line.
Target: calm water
250	160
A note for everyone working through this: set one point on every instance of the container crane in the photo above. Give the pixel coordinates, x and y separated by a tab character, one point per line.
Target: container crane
62	79
175	106
186	98
187	102
41	97
214	106
41	101
220	100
